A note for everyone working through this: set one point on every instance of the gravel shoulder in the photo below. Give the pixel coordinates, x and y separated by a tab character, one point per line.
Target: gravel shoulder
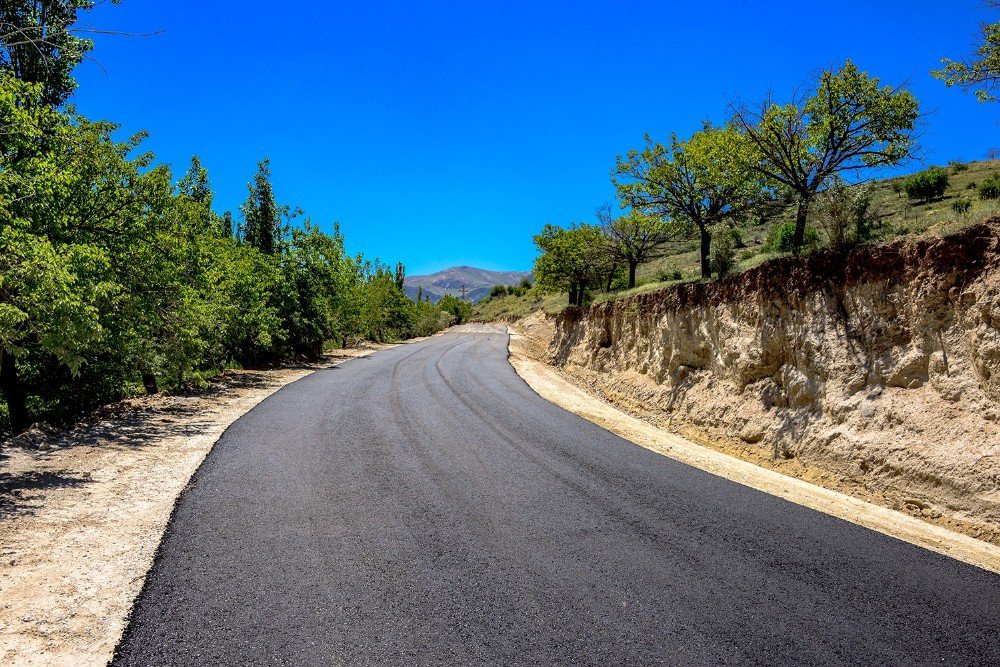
562	389
83	511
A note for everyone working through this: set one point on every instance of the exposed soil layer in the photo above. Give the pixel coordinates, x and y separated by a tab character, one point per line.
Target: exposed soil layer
876	373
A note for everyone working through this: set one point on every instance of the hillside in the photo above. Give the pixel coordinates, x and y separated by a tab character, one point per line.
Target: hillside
466	282
900	217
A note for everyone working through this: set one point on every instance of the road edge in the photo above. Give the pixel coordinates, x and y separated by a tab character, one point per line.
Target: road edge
547	382
111	576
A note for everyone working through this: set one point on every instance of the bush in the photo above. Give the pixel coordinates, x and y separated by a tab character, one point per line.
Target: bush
961	206
990	188
461	310
667	276
781	238
848	214
724	251
958	167
927	185
972	186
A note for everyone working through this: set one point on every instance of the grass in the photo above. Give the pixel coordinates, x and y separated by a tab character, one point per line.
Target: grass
901	217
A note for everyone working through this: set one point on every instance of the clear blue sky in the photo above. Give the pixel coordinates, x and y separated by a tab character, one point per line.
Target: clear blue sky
442	133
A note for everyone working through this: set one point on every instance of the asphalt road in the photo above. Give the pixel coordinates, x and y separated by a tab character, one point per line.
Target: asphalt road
424	507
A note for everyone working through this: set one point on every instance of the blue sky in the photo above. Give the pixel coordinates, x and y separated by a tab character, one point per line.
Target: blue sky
442	133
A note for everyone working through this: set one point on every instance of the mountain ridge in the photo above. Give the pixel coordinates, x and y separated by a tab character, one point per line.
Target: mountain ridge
468	282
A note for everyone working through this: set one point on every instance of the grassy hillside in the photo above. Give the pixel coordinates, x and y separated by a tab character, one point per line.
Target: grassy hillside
901	218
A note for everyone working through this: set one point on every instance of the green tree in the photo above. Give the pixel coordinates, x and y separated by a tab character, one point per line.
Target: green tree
457	308
40	44
695	184
261	213
846	122
979	72
400	275
927	185
572	259
636	238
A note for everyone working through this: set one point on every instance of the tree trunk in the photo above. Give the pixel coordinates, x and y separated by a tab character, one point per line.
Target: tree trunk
572	294
14	393
706	245
801	216
631	273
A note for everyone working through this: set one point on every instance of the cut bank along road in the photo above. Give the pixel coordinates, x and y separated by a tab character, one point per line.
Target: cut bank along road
423	506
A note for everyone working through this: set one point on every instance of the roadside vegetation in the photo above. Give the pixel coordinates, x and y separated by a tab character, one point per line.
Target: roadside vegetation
777	177
117	275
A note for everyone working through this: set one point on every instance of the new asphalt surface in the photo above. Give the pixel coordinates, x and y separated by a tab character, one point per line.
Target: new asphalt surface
423	506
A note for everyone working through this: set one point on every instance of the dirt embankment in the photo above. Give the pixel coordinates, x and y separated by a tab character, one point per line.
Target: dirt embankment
877	373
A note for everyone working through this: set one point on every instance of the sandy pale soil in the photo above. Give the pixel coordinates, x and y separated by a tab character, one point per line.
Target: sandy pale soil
558	388
82	513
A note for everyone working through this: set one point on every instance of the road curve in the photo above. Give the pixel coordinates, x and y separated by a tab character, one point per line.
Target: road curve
423	506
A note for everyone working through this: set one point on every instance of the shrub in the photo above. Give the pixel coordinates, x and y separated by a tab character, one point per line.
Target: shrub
667	276
724	251
927	185
459	309
961	206
972	186
847	214
958	167
781	238
990	188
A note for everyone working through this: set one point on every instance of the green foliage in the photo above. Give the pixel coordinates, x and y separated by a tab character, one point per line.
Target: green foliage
979	72
692	185
429	319
990	187
636	238
38	44
782	238
459	309
958	167
261	213
927	185
847	214
113	277
572	259
845	122
961	206
724	251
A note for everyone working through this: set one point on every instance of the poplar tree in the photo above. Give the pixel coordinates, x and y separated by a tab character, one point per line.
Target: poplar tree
261	214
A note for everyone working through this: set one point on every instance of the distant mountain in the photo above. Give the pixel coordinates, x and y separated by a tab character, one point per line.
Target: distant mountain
476	282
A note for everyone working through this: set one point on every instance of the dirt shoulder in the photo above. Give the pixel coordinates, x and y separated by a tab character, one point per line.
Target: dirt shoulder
82	512
570	393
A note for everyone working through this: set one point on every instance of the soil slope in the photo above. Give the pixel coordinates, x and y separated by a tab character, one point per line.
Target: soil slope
877	373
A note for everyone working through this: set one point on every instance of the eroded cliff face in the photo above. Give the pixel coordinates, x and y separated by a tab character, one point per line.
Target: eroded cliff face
881	368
